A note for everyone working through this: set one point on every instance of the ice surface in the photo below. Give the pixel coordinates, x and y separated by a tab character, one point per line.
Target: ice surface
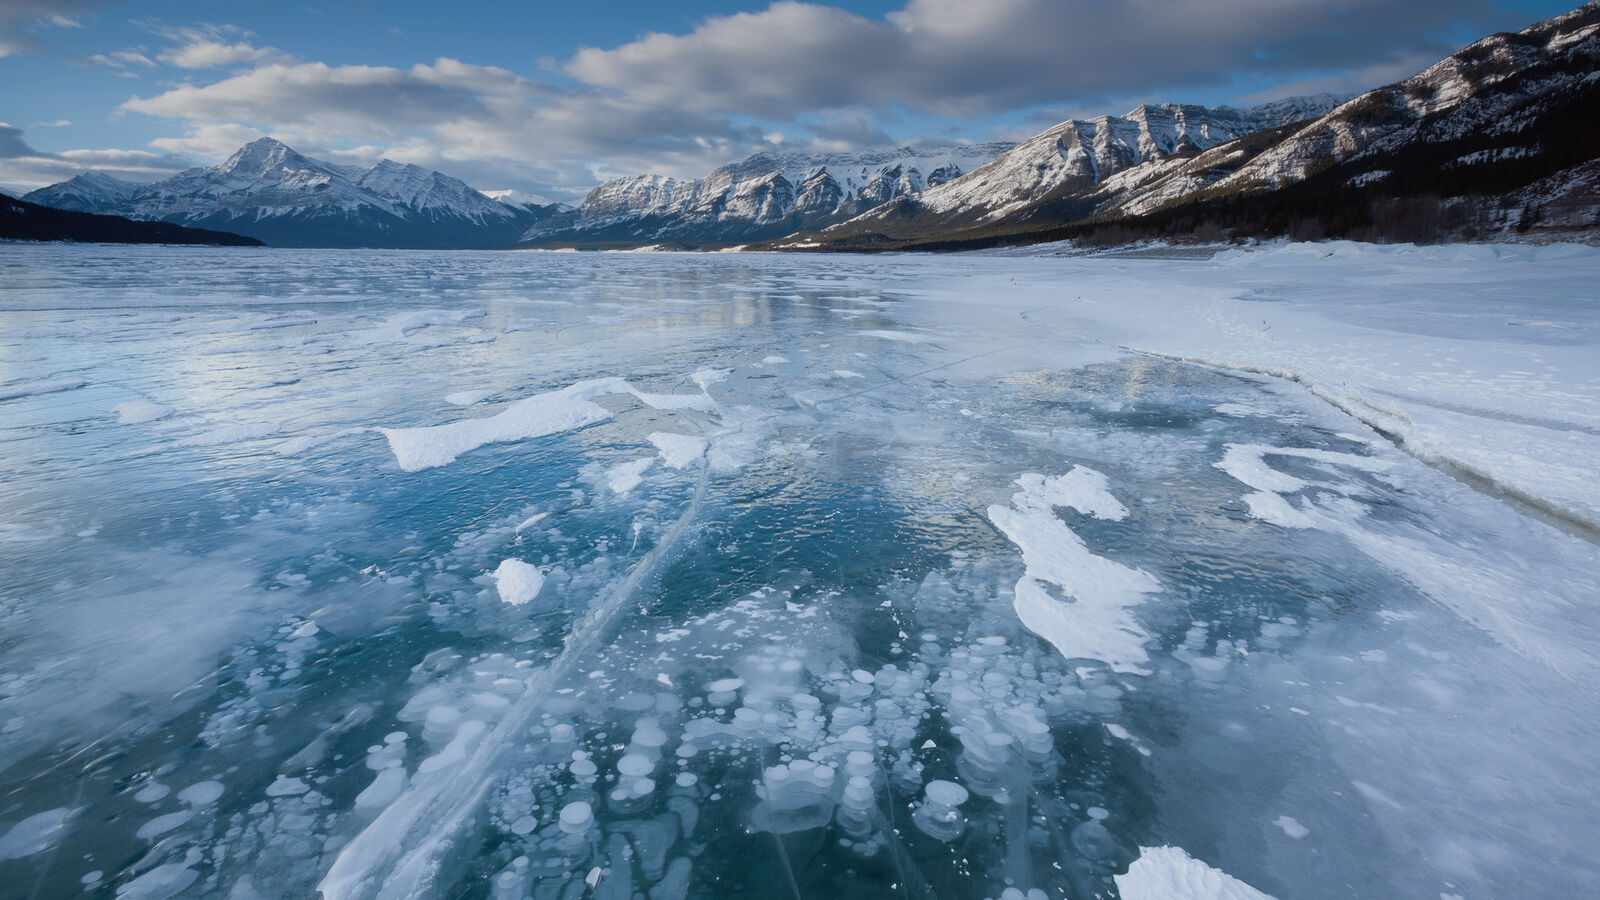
1281	557
18	389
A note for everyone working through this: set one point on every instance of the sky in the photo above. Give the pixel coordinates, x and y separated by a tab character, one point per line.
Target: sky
553	98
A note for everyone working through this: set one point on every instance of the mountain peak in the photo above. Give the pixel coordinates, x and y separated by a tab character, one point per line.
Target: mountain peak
261	156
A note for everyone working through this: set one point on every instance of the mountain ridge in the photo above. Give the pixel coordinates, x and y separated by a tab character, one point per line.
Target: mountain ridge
271	192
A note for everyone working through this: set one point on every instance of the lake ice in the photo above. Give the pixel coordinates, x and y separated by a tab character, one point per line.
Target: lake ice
392	574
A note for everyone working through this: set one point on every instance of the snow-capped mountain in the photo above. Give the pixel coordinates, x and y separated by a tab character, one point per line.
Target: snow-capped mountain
1067	162
765	196
1502	135
268	191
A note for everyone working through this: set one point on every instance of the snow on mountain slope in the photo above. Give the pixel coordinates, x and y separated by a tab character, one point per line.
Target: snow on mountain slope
763	196
269	191
1078	154
90	192
1450	99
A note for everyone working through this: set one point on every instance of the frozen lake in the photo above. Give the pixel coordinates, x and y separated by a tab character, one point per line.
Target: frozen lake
502	575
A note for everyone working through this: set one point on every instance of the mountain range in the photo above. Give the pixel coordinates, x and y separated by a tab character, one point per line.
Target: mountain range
267	191
1501	138
768	195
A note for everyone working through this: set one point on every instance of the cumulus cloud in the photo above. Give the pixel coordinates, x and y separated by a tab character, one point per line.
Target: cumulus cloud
955	57
211	46
449	114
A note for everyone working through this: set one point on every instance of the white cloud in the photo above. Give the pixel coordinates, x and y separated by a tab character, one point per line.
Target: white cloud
472	121
208	54
121	59
26	168
209	140
957	57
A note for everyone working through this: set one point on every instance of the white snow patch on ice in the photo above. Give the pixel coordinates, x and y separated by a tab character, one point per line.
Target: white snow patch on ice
136	412
624	477
1291	827
678	450
903	337
517	582
467	398
1170	873
555	411
1097	621
536	416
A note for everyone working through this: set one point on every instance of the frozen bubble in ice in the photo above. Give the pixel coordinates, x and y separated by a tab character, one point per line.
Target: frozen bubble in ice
152	792
635	765
724	685
163	824
862	675
858	738
687	779
524	825
1093	841
562	734
583	768
1098	813
202	793
947	792
576	817
1209	668
287	787
34	834
636	702
440	722
383	790
649	736
642	787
